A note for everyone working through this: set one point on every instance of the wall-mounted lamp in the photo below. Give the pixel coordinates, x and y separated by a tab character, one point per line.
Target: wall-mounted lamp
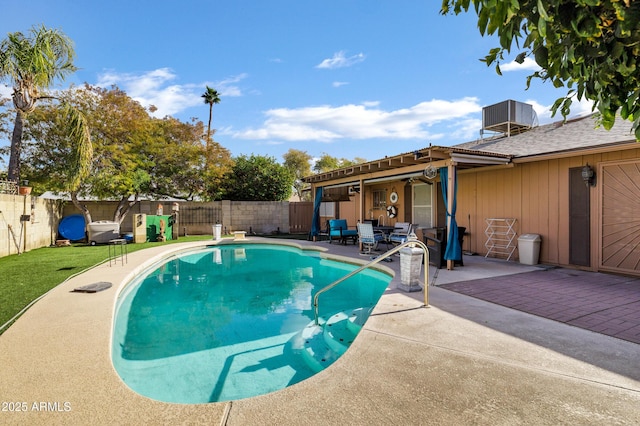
588	175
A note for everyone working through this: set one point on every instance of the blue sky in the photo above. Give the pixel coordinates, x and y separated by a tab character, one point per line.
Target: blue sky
351	78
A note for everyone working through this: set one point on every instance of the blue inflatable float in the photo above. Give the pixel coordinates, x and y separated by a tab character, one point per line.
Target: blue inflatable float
72	227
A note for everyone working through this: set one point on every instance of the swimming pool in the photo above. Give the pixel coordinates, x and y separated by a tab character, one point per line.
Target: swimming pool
234	321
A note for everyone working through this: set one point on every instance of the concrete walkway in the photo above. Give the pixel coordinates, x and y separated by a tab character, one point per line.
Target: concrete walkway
459	361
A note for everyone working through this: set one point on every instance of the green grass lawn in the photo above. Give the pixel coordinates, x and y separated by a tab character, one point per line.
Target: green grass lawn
25	277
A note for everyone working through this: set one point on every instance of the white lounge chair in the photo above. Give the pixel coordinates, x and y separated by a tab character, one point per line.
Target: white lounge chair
368	238
402	231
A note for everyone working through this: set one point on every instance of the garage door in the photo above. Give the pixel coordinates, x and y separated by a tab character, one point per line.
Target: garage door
620	217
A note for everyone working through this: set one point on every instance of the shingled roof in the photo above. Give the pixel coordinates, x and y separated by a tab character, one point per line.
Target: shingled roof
559	138
575	134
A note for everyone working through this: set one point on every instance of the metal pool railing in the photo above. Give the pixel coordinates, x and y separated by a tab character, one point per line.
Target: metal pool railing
412	242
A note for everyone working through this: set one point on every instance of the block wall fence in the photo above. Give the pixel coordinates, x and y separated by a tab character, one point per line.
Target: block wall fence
28	222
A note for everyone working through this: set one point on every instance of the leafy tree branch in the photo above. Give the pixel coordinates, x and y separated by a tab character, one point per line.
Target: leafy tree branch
591	47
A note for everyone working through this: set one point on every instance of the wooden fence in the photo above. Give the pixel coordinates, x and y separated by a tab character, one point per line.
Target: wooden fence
300	217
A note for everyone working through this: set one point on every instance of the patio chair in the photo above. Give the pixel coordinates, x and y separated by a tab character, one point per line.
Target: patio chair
401	232
368	238
323	233
338	229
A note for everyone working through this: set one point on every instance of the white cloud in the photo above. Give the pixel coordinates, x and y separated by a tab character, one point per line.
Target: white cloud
228	86
465	129
339	83
339	60
578	109
542	111
154	88
364	121
528	65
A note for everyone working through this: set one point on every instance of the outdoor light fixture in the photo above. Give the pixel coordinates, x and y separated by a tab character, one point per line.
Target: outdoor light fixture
588	175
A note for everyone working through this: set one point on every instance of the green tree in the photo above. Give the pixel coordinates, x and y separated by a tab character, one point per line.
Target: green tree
4	132
590	46
120	130
181	167
299	164
218	164
327	163
258	178
211	97
32	63
122	136
50	152
135	154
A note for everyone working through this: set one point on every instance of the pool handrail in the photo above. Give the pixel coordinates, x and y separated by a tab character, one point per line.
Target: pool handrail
411	242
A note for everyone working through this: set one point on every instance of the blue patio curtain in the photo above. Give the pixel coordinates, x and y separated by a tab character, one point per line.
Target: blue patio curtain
453	250
315	224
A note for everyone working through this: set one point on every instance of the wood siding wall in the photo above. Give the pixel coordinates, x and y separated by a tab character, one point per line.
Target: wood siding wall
537	195
368	212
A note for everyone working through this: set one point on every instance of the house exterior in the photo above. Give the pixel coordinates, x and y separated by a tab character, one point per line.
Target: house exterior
525	182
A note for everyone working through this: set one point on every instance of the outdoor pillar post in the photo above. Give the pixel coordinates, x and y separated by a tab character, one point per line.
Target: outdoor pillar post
175	211
450	194
25	219
362	210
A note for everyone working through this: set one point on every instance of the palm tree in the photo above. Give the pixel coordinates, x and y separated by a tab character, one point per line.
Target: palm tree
32	63
211	97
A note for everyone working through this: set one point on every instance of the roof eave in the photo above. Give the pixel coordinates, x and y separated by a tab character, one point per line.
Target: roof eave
424	156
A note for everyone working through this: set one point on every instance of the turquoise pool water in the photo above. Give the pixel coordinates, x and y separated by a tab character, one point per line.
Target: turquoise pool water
234	321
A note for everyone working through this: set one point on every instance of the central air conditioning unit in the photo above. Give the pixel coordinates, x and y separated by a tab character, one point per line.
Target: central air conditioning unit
508	117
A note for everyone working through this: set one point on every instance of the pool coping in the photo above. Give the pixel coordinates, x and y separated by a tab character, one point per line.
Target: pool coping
404	366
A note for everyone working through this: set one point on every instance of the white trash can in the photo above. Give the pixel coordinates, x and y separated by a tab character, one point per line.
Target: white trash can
529	248
217	231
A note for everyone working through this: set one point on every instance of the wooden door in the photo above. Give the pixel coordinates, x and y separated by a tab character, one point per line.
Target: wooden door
579	219
620	217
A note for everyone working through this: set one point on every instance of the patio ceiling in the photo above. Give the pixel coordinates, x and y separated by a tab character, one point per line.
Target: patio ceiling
411	162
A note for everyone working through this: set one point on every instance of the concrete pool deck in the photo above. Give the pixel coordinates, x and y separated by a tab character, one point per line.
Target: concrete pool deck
459	361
